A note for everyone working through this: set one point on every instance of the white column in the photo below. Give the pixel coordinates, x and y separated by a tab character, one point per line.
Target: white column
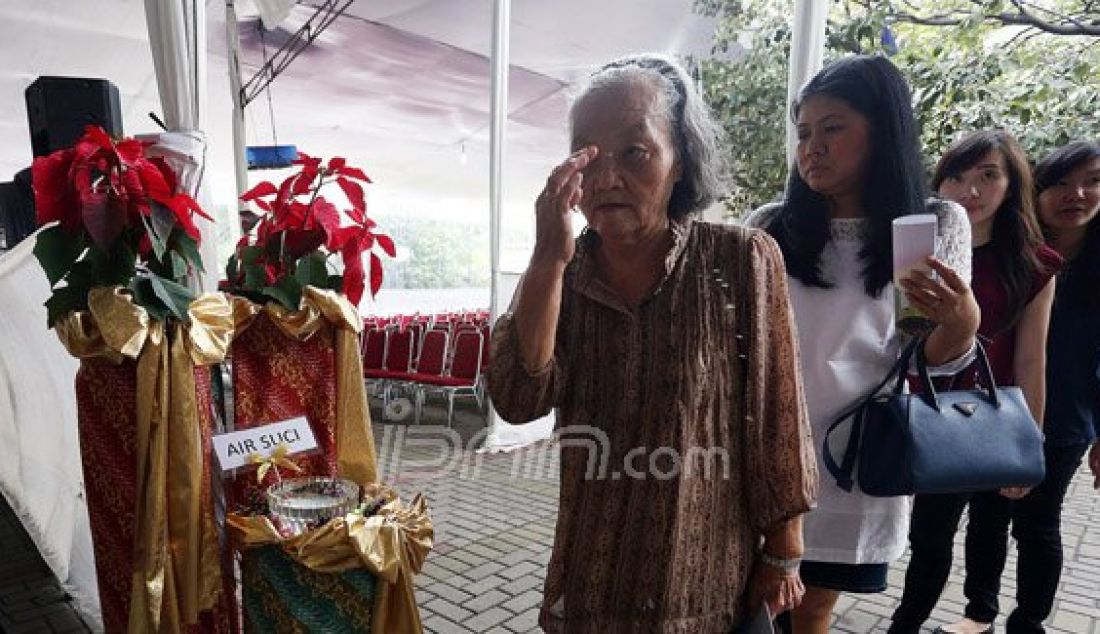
498	114
807	51
233	54
177	41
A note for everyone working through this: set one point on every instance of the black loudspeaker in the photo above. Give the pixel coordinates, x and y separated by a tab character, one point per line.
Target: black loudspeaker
58	108
16	210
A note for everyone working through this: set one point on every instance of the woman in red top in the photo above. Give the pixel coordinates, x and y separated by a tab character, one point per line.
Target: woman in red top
988	174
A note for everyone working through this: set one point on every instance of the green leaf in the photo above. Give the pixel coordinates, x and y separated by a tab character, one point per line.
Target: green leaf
189	249
64	301
250	254
254	276
311	270
179	265
119	266
83	276
287	292
159	227
176	297
146	297
57	251
108	268
231	269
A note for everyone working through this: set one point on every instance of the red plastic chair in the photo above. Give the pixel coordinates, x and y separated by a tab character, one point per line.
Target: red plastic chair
430	366
486	336
399	348
417	330
374	351
465	374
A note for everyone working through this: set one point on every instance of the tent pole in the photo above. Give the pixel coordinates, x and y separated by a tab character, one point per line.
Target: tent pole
807	51
498	118
240	163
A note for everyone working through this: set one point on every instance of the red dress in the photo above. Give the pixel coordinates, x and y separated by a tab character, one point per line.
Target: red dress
996	334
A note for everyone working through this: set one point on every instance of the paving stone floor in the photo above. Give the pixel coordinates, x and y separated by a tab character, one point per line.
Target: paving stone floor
495	519
494	516
31	599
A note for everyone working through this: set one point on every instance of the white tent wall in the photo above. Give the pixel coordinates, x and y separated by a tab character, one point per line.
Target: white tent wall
40	469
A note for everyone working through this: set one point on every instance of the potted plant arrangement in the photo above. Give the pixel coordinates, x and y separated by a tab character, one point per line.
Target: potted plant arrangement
297	279
120	244
298	276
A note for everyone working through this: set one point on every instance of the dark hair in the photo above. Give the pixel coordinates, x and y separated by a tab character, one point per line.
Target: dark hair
1083	277
697	137
893	184
1016	235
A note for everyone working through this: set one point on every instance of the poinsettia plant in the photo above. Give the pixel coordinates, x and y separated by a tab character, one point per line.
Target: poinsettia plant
300	230
121	220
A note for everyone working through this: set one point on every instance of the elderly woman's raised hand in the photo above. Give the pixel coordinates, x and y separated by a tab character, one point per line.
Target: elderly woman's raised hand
554	244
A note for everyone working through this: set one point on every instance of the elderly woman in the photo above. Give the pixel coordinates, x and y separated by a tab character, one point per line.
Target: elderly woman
685	456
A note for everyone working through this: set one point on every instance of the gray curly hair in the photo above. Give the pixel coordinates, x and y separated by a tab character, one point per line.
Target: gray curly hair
699	140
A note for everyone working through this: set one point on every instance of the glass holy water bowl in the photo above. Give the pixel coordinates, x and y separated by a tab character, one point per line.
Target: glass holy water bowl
304	503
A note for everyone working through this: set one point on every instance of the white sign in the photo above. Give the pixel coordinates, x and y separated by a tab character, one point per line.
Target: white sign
234	449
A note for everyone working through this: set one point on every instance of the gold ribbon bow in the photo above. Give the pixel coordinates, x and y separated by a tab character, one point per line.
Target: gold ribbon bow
177	572
278	458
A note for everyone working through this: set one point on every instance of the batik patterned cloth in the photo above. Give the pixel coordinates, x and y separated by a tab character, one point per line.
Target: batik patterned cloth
106	396
281	595
276	377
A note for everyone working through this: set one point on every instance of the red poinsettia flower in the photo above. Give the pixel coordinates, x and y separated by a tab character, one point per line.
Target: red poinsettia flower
294	229
55	199
107	194
102	187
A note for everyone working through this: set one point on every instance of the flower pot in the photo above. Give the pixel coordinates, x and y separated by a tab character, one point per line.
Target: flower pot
106	413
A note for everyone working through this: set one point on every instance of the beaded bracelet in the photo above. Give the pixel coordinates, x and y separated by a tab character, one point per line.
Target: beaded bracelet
786	565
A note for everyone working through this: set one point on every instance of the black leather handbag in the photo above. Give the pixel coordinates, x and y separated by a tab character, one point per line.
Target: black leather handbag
960	441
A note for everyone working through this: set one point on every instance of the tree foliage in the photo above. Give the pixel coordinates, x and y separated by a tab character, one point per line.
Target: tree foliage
972	64
436	253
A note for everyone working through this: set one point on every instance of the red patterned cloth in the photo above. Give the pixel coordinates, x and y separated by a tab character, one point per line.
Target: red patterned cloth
276	377
106	413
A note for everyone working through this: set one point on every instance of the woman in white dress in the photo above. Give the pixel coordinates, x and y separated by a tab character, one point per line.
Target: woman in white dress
857	169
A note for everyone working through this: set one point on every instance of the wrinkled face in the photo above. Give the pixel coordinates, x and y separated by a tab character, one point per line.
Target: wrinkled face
980	189
833	145
1072	202
628	185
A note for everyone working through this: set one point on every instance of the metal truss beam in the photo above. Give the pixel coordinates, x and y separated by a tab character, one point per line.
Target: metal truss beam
326	14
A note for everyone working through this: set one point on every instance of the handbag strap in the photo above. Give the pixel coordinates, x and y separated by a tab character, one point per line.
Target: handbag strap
985	377
843	472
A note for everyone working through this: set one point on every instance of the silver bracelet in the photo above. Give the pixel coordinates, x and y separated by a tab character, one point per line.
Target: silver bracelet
786	565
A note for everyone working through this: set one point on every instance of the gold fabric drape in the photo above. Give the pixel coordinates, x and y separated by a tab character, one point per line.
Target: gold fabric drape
321	310
391	544
176	572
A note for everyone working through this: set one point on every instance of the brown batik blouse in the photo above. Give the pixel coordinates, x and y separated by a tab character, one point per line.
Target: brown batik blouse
666	487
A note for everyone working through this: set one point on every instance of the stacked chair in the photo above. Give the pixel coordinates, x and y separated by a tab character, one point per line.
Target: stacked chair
445	354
